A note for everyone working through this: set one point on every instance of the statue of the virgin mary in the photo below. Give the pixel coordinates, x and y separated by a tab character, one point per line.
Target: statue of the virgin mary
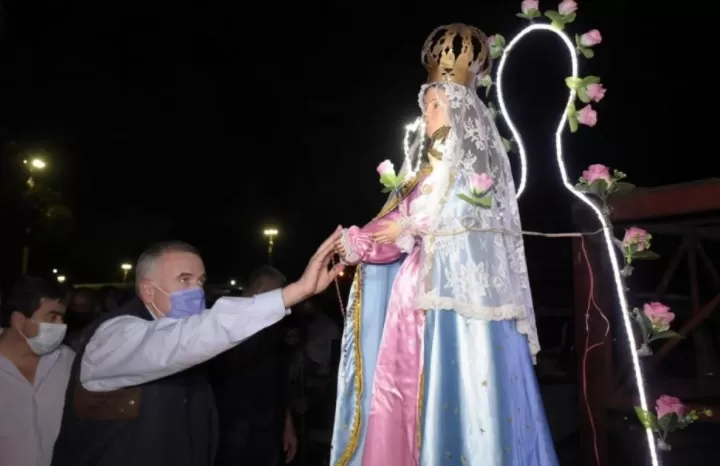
440	338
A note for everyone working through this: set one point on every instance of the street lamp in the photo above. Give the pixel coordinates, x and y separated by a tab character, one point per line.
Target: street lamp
61	278
33	165
126	268
233	283
54	271
270	233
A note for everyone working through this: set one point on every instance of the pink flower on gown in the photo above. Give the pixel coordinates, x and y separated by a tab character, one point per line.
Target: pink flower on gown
392	431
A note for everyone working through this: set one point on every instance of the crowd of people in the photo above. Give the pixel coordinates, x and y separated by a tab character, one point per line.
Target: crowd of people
94	377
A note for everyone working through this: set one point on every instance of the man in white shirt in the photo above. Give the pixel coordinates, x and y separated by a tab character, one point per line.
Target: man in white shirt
135	396
34	372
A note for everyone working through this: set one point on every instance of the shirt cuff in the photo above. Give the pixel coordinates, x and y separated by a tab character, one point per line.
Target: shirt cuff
271	300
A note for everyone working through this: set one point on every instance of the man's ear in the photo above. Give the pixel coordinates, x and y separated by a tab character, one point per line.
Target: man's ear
17	319
147	291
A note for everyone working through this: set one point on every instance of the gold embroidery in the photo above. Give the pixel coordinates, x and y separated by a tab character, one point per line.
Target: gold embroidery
405	190
426	189
354	438
484	383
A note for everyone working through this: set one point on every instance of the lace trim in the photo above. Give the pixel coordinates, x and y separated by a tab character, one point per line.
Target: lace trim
507	312
351	256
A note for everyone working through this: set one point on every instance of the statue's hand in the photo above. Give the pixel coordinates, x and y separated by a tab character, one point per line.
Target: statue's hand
389	233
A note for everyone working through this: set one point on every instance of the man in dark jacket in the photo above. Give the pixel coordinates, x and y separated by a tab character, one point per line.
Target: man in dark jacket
135	396
250	383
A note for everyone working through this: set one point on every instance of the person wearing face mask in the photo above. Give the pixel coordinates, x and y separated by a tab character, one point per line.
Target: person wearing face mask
135	395
34	371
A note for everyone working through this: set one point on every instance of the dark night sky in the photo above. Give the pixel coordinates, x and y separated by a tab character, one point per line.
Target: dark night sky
208	123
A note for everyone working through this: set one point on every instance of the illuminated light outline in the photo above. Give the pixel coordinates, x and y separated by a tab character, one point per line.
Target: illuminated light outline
412	128
607	232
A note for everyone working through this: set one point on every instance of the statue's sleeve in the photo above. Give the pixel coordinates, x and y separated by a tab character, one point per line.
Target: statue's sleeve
360	247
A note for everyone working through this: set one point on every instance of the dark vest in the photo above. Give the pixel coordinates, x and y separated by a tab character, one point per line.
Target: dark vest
167	422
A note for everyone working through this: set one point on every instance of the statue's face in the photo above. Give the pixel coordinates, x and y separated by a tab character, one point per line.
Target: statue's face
435	110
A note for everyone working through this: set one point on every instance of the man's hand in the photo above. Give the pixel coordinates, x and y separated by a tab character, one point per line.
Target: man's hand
290	443
317	277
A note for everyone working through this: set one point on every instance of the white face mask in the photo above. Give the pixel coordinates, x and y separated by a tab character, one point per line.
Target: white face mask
49	337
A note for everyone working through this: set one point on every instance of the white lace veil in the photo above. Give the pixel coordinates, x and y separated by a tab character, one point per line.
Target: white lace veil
473	257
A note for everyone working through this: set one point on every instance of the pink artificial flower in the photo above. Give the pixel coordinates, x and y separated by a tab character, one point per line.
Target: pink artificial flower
529	5
659	314
587	116
590	38
567	7
667	404
596	92
479	183
386	168
491	41
638	237
597	172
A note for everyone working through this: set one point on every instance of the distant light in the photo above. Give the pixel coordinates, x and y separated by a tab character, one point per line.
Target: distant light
55	271
270	232
342	274
126	267
38	163
61	278
233	282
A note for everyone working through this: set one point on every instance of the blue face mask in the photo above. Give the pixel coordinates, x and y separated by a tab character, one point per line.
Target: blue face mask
185	303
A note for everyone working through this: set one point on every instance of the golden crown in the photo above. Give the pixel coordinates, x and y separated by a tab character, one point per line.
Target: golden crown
456	53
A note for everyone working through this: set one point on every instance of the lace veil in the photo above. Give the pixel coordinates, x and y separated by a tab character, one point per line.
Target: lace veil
473	257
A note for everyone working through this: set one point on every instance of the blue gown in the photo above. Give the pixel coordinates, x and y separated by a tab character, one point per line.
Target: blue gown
480	399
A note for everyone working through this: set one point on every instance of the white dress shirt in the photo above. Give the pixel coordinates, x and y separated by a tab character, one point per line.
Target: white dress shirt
30	414
126	351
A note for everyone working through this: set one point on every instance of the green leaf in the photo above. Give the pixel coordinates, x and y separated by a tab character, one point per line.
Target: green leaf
587	52
667	421
665	335
573	82
583	95
493	111
506	144
487	91
647	419
582	187
554	16
598	188
572	121
646	323
571	109
485	201
523	16
567	19
557	26
499	41
645	255
587	80
621	186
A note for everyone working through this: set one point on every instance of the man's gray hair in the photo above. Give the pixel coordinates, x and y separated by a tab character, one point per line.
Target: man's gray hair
147	259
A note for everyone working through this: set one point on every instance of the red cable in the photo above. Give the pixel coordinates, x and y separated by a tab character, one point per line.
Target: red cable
588	348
